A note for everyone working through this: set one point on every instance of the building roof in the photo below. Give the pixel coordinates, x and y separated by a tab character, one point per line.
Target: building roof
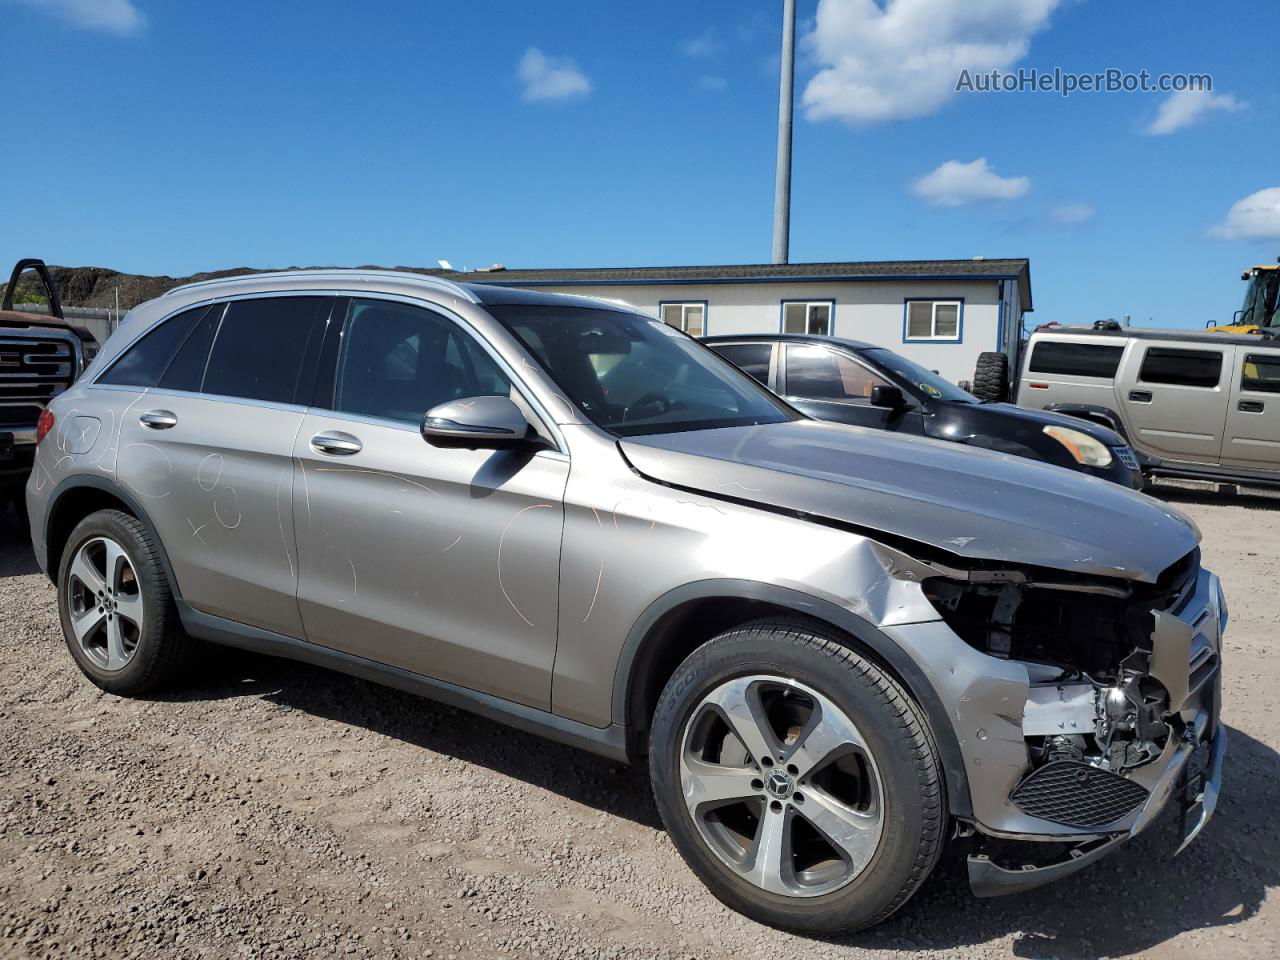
1008	269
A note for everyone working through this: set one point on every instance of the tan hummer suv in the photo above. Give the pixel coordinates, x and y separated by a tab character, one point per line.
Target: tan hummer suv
1193	404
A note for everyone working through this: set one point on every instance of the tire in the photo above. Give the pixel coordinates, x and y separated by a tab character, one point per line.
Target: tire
139	657
991	377
868	771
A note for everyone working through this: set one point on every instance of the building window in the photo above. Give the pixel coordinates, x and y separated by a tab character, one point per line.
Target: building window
689	317
808	316
933	320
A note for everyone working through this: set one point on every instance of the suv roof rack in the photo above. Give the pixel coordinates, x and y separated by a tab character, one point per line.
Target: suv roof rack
438	283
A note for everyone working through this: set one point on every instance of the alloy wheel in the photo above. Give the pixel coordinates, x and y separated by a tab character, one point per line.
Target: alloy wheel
105	603
781	785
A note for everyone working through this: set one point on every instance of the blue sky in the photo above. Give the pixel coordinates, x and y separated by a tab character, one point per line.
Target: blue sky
167	137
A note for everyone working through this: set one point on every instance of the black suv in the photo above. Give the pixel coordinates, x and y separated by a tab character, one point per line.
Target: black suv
868	386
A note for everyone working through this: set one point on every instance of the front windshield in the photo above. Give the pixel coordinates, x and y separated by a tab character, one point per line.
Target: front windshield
925	380
633	375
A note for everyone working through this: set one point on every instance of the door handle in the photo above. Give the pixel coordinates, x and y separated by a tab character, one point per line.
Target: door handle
1140	396
1250	406
158	420
336	444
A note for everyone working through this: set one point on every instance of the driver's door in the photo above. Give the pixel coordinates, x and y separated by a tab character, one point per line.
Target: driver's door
443	562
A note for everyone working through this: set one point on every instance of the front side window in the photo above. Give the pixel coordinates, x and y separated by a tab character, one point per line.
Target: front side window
144	363
807	316
1261	373
933	320
398	361
634	375
821	374
752	358
1184	368
1071	359
689	317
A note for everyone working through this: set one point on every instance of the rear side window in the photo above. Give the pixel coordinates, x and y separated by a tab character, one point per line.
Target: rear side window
1075	359
823	374
1184	368
259	348
753	358
143	364
1261	373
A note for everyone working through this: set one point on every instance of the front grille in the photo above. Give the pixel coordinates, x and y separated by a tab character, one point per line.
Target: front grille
32	372
1177	584
1078	795
1126	456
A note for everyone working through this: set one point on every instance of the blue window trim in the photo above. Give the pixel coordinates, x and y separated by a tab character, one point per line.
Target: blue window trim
706	311
906	305
1000	318
782	313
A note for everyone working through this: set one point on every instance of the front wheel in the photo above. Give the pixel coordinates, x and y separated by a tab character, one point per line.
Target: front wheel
797	778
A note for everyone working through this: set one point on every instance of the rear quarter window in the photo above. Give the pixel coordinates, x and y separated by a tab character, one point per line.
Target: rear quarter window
1075	359
144	363
753	358
1184	368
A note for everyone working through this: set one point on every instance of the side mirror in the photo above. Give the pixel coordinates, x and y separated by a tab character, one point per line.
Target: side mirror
884	395
477	423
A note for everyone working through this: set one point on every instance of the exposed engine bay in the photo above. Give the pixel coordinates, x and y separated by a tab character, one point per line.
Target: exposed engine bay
1095	697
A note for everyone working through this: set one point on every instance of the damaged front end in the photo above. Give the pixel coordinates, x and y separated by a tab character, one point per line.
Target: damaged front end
1119	688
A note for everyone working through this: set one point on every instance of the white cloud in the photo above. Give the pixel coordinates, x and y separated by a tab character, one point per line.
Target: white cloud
1072	214
705	44
901	58
1256	217
1188	107
550	78
110	16
956	184
713	84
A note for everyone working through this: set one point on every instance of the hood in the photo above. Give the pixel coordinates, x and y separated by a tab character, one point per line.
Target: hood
1046	418
972	503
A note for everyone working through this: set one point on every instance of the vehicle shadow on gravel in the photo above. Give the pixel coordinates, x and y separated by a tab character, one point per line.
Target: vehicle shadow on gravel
579	776
1130	902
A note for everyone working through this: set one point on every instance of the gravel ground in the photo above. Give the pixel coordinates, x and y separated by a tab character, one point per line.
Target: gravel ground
275	810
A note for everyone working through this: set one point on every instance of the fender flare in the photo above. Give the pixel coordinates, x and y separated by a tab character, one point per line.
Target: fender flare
866	633
105	485
1089	411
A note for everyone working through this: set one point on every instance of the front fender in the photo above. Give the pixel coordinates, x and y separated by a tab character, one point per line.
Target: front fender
644	637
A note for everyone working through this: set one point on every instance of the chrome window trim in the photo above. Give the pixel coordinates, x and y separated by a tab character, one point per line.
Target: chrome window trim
321	294
530	395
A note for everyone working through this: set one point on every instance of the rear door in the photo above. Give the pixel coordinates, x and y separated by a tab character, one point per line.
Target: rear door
1175	398
208	453
1252	436
829	384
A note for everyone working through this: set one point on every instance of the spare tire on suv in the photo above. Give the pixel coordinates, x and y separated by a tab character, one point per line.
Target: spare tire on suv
991	378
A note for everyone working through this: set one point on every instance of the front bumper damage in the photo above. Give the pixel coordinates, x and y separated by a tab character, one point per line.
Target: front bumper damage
1035	824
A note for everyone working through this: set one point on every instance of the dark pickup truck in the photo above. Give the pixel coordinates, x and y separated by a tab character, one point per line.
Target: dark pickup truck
41	355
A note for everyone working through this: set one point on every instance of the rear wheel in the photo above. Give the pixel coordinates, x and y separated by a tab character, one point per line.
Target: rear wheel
797	779
118	615
991	378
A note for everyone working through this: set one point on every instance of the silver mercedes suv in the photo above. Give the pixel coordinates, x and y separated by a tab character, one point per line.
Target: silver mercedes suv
838	648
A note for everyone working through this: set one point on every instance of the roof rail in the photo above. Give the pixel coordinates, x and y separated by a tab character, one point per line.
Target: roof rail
439	283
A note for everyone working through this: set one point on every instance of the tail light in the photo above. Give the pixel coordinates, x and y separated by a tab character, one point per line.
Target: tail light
44	424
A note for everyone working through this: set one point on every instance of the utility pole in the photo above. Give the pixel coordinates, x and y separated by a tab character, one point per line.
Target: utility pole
782	185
